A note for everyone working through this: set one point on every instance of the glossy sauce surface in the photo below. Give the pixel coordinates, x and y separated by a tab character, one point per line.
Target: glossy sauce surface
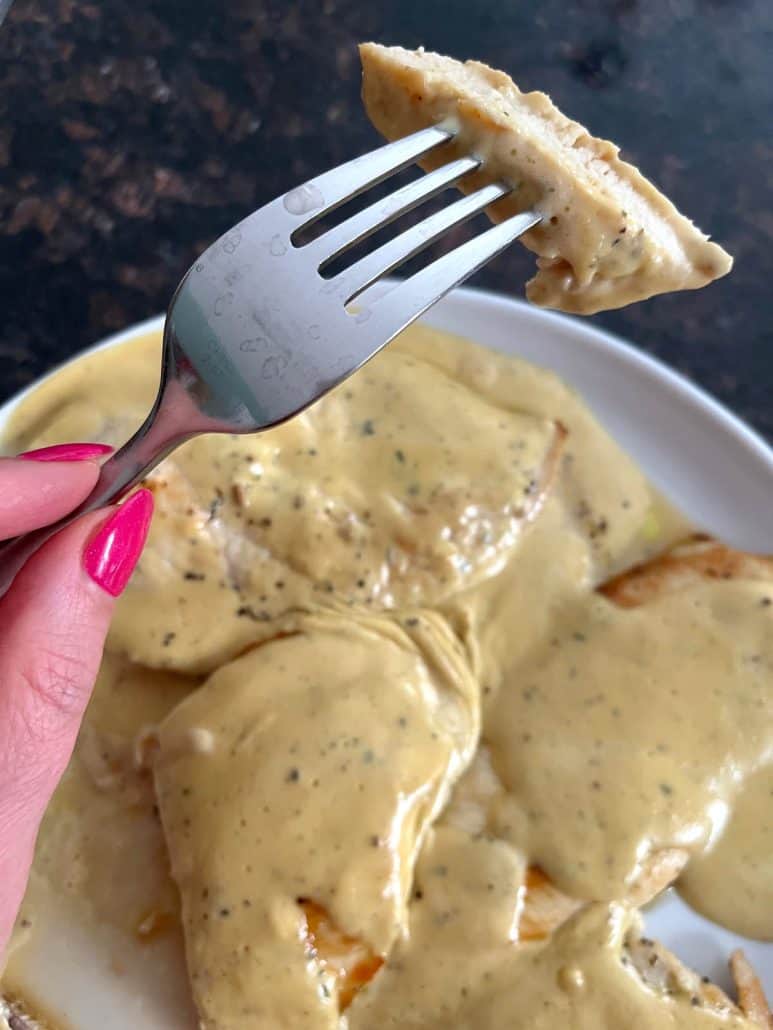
435	592
459	967
732	882
260	812
103	815
631	730
400	488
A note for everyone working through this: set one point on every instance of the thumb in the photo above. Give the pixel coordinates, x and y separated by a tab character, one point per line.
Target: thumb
53	624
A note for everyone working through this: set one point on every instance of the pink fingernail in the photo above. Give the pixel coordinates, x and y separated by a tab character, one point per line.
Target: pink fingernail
115	549
68	452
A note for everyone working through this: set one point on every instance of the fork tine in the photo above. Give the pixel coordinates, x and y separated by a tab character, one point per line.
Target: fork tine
403	304
381	261
338	239
319	196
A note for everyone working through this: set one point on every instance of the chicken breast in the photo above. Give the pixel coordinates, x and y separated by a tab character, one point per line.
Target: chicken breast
306	774
482	932
607	238
403	487
697	559
461	964
600	733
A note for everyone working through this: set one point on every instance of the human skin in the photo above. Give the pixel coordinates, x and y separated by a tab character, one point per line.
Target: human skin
53	623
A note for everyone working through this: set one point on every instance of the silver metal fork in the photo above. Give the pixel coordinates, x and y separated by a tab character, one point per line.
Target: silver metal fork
255	333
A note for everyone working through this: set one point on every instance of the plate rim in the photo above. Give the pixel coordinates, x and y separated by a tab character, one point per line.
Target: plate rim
597	338
573	332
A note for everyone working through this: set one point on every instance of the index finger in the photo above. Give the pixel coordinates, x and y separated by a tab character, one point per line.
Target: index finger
38	488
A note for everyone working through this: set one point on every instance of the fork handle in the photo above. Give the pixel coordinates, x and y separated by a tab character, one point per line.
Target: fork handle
158	435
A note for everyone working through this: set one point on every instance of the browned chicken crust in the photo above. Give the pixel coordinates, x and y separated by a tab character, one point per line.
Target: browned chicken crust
698	558
751	996
545	907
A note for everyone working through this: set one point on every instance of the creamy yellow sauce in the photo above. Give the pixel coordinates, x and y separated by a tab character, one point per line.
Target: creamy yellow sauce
631	730
259	812
402	487
101	865
100	846
457	965
398	584
732	882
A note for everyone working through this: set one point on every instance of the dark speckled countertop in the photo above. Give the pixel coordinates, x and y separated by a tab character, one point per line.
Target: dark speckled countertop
133	134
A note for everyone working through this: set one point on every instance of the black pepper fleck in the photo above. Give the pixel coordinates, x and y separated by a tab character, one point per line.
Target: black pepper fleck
246	611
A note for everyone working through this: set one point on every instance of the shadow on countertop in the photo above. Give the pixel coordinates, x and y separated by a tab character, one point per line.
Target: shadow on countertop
132	135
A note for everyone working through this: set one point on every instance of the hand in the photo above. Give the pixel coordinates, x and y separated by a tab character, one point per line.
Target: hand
53	623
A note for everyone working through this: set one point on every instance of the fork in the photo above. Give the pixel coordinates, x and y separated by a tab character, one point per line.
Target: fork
255	333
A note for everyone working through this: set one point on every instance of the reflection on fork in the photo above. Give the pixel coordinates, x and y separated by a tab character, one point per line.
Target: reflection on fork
256	330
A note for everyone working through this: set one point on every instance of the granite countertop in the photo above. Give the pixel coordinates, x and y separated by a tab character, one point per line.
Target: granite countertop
131	135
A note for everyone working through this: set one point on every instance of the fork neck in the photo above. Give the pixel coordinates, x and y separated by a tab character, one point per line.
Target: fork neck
173	420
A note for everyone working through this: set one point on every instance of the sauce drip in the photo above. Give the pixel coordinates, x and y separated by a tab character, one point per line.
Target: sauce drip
409	681
732	882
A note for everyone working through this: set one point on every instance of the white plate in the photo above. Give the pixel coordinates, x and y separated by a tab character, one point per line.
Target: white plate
706	460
